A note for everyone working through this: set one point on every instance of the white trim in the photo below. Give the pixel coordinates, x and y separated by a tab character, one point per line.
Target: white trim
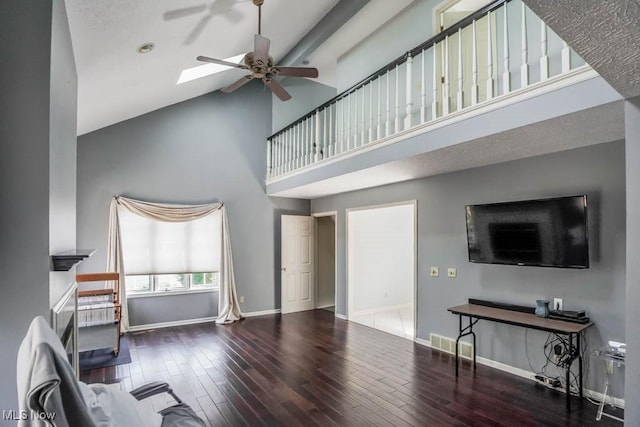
138	328
261	313
575	76
325	306
524	374
168	293
341	316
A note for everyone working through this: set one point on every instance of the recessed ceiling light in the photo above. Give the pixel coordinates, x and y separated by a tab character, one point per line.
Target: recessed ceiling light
146	48
207	70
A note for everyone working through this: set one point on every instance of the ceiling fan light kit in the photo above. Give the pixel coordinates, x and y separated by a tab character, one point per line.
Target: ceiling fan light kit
260	64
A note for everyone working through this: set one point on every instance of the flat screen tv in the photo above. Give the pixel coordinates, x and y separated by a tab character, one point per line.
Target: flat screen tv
544	233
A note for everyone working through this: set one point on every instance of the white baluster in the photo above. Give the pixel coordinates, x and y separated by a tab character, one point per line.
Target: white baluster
409	108
269	144
434	102
355	119
544	59
445	76
506	74
298	137
423	90
489	59
325	136
364	123
316	143
342	124
566	57
332	140
371	111
348	127
310	140
303	138
387	125
460	96
397	119
278	161
285	167
524	68
379	124
474	65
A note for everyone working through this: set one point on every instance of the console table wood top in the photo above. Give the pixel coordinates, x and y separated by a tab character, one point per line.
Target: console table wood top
518	318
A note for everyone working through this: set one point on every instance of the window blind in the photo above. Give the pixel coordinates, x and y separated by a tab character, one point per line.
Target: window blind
156	247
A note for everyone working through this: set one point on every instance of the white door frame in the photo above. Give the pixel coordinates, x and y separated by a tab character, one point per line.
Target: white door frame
413	203
334	214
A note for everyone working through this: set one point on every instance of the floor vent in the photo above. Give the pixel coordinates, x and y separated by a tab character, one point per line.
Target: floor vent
448	345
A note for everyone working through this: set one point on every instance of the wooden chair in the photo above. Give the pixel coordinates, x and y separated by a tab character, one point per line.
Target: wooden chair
97	307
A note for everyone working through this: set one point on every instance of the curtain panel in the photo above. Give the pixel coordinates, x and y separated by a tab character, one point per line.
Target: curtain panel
228	307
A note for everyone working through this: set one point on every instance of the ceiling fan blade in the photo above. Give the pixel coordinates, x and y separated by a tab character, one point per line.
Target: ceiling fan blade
277	89
238	84
296	71
179	13
261	48
221	62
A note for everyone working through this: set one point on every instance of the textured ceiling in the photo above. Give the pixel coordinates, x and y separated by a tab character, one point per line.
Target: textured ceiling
581	129
606	34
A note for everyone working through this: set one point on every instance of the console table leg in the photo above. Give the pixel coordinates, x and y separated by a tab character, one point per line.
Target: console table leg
458	340
568	375
578	338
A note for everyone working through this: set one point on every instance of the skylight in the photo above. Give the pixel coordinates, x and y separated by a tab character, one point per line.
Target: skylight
206	70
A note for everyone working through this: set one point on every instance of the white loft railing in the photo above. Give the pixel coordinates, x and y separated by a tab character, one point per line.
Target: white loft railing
500	49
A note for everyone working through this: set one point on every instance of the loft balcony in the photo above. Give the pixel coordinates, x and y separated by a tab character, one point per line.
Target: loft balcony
495	86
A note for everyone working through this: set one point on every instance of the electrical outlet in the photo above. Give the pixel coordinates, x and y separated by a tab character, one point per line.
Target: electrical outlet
241	299
557	303
435	271
452	272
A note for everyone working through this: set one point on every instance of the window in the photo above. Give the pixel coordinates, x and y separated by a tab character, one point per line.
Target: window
161	283
153	251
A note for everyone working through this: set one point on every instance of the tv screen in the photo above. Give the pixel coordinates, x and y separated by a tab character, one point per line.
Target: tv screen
545	233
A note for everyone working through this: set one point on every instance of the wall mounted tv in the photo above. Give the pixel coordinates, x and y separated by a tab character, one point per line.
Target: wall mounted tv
544	233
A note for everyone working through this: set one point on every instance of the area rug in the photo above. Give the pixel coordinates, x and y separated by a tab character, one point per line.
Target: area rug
103	358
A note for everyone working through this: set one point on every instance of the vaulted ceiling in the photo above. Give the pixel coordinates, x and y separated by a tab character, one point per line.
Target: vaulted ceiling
116	82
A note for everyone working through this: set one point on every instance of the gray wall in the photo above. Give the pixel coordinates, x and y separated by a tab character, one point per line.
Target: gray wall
159	309
207	149
62	149
632	146
306	96
597	171
31	31
405	31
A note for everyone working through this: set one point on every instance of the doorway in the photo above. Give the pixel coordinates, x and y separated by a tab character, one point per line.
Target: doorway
326	233
308	270
381	267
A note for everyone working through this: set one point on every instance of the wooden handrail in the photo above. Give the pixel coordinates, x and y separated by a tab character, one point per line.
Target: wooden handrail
97	277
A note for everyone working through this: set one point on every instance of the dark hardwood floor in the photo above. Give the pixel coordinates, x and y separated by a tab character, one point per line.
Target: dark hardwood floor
312	369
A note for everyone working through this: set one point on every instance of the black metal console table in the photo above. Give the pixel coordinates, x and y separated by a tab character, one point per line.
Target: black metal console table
573	331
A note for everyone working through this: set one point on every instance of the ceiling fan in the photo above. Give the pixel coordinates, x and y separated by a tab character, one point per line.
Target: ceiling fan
261	66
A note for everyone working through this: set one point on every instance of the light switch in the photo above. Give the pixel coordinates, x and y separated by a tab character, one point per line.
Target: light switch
452	272
435	271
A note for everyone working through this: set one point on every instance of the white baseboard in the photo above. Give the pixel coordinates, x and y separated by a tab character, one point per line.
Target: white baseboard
261	313
341	316
325	306
381	309
138	328
525	374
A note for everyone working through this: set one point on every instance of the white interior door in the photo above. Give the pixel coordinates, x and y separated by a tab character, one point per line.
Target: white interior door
298	293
